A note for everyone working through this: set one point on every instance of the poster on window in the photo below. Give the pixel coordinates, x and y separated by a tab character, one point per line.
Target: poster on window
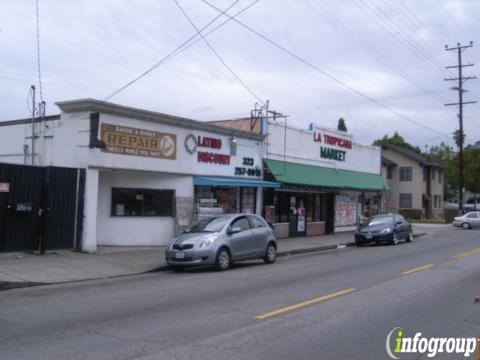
345	210
301	220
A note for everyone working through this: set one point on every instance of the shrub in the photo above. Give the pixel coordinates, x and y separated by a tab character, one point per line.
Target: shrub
449	214
411	214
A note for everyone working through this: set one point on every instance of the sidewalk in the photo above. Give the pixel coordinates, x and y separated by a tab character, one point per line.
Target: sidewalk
26	269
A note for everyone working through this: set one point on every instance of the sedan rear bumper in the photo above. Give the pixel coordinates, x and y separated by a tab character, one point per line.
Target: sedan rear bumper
374	238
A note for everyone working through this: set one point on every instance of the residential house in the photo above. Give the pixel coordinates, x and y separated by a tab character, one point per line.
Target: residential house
415	182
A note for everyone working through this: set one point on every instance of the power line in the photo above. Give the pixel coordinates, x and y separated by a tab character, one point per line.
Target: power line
377	14
377	55
38	53
438	43
323	72
218	55
170	56
448	33
149	70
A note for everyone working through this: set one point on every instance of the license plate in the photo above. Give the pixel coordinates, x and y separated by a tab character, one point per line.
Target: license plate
180	255
368	237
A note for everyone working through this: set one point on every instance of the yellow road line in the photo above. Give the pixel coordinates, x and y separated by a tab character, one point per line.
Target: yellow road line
303	304
420	268
466	253
462	255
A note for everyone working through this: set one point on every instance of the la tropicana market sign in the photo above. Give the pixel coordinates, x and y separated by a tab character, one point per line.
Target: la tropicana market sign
327	152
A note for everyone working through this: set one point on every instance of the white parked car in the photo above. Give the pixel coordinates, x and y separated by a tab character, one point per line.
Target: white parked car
468	221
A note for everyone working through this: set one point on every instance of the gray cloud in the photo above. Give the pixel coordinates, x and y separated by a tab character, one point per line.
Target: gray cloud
91	48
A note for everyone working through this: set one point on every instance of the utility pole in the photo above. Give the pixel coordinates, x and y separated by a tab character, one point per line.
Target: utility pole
33	124
460	79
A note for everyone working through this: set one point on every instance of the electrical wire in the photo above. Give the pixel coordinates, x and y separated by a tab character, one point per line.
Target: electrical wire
149	70
38	53
382	19
328	75
218	55
438	22
172	54
328	16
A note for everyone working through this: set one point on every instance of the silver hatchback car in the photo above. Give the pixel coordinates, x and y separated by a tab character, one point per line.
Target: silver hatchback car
220	240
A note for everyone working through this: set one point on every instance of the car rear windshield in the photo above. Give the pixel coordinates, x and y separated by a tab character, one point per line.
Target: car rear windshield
381	220
211	224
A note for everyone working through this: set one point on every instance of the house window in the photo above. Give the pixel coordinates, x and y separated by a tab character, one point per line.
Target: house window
405	201
433	174
389	172
440	176
405	173
142	202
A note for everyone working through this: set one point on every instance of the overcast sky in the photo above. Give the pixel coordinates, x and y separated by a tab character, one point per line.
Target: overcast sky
392	52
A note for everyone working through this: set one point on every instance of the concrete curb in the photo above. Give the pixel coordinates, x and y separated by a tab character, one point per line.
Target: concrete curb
314	249
8	285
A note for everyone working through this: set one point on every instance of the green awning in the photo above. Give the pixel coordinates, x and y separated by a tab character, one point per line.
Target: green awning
301	174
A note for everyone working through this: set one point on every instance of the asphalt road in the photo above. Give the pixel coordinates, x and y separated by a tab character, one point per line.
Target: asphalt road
357	296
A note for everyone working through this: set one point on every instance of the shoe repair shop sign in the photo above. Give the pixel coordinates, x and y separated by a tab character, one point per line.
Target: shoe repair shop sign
139	142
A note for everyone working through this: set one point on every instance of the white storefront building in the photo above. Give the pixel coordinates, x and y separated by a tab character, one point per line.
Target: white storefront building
148	175
327	179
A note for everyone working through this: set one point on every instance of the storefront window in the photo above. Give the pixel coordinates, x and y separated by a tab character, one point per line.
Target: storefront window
226	198
316	207
213	200
283	207
142	202
309	206
248	200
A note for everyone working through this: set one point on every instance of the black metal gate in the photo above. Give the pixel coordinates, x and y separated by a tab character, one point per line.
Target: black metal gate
40	207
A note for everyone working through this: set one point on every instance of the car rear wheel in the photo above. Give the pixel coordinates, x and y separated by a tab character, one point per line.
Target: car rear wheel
410	236
465	226
270	254
223	260
395	239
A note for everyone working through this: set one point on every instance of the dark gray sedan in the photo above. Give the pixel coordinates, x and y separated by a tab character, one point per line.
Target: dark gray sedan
220	240
389	228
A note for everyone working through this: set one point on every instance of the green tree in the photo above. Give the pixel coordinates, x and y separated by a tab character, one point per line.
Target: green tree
457	138
444	155
398	140
471	159
342	126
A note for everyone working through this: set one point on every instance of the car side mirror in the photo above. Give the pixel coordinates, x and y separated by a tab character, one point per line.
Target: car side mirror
398	223
234	230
